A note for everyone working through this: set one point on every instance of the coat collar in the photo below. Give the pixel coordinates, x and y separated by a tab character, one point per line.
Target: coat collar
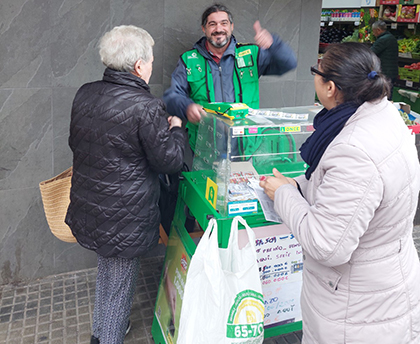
367	108
385	33
124	78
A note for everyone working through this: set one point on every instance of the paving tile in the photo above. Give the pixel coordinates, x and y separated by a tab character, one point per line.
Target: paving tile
58	309
30	321
3	337
29	330
29	340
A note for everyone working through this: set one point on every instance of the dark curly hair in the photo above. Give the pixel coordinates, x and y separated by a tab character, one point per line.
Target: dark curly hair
212	9
348	65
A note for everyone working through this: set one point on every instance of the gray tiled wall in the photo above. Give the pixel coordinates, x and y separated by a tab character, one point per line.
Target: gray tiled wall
49	49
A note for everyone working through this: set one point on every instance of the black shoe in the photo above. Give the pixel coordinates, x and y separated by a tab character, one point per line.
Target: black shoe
128	327
94	340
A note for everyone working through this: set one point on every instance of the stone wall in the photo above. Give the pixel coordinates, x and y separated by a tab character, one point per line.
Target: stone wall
49	49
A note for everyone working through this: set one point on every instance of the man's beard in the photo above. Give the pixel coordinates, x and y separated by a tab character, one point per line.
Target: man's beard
216	44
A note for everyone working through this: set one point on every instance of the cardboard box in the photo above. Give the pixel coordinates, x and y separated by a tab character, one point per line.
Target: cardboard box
408	13
388	12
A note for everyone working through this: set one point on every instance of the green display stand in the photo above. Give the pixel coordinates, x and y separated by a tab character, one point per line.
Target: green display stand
219	138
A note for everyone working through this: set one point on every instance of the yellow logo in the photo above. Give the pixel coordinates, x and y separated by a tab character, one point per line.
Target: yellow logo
245	52
211	192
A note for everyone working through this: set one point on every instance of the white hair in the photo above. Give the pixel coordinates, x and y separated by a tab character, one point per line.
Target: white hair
380	24
124	45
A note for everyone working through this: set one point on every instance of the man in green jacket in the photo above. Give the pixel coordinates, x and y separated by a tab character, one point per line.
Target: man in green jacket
386	48
219	69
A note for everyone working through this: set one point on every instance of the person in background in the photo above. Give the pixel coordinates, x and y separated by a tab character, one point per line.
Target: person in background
219	69
361	271
386	47
121	140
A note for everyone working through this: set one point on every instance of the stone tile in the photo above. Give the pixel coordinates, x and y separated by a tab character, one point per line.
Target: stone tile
30	321
6	310
275	93
42	319
16	325
31	313
43	337
57	333
76	58
29	331
132	12
43	328
29	340
28	62
4	326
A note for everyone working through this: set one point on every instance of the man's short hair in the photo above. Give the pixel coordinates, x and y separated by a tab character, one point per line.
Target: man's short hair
212	9
380	24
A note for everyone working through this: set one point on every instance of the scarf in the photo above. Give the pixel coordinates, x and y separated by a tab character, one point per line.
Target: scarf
327	124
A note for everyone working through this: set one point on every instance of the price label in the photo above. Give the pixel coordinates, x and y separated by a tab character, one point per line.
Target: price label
292	129
357	23
409	83
394	26
411	26
322	23
330	23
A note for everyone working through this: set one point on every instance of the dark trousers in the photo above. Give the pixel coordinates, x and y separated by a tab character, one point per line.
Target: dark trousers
115	287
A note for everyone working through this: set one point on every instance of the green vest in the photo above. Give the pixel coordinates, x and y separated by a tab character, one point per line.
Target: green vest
245	80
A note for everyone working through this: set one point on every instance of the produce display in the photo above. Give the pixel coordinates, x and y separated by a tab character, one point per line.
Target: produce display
413	66
408	12
352	38
333	35
390	13
416	49
408	119
408	45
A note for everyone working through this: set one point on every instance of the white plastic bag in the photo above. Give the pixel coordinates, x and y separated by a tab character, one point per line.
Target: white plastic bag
223	300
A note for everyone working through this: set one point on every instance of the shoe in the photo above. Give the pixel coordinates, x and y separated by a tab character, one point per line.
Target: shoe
94	340
128	327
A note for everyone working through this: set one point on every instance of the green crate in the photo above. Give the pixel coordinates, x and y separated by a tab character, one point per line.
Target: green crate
409	74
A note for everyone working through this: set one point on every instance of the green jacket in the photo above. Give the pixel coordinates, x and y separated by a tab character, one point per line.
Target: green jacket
386	48
200	79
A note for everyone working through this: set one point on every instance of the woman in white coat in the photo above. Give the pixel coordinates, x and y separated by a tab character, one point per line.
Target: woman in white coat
353	210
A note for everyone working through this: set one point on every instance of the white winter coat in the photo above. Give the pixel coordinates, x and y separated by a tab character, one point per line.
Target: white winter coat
361	278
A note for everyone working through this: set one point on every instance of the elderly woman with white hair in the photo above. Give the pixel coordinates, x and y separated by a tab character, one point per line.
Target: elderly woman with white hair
121	138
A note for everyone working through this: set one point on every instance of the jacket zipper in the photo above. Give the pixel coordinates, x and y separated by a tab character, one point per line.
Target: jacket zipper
221	83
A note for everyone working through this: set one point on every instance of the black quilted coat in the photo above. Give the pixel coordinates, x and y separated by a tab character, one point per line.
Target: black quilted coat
121	141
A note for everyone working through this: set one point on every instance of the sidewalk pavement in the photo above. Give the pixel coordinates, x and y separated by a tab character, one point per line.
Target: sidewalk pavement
58	309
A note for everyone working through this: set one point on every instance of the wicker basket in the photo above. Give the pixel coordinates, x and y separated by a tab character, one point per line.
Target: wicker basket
55	193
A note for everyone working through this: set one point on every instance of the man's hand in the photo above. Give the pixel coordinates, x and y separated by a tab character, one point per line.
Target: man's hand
271	184
262	37
194	112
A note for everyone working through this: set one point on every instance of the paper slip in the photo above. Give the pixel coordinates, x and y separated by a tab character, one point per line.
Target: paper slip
267	204
259	119
279	114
